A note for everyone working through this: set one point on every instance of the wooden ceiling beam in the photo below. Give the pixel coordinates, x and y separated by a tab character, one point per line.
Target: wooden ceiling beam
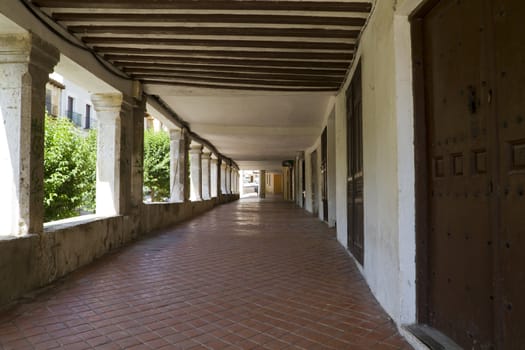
134	66
327	56
208	18
216	31
305	45
240	87
227	61
145	73
246	5
244	81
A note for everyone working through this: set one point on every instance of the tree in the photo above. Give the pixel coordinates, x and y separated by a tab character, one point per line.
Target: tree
157	165
69	169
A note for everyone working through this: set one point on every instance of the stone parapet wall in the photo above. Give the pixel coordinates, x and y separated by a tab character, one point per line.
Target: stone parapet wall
33	261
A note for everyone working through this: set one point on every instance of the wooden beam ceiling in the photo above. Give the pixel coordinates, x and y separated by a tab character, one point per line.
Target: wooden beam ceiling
233	44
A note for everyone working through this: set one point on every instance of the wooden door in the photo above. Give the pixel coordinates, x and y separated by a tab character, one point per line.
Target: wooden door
313	162
473	58
324	173
355	167
509	113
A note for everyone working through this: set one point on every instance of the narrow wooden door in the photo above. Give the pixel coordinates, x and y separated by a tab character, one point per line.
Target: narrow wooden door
474	54
509	114
355	167
315	199
324	173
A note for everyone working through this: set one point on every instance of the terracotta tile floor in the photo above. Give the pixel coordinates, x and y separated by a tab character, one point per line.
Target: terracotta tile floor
246	275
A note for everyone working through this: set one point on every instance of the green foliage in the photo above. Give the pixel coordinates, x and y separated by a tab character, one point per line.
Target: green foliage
69	169
157	165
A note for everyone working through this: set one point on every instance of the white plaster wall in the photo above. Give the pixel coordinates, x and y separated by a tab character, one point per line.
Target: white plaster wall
308	175
341	169
308	181
82	98
388	157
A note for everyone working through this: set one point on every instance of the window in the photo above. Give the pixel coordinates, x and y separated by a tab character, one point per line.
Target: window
87	124
70	105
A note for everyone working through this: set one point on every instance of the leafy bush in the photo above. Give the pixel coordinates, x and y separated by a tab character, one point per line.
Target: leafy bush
157	165
69	169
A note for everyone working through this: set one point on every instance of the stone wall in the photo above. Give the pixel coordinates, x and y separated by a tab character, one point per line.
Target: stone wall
33	261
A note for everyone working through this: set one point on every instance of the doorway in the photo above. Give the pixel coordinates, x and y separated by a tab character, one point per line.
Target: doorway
470	136
313	174
355	205
324	174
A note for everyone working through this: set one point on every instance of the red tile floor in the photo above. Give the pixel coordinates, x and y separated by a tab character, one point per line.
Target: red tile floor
246	275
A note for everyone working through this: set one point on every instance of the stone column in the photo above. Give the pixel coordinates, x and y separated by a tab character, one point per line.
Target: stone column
108	107
137	154
195	173
240	187
25	63
206	175
262	184
177	165
125	156
235	181
228	179
299	178
223	177
214	175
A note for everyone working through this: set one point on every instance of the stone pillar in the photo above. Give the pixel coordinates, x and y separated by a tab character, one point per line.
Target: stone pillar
25	63
235	181
228	179
223	177
125	156
137	154
214	176
262	183
108	107
177	165
195	173
299	178
206	175
240	187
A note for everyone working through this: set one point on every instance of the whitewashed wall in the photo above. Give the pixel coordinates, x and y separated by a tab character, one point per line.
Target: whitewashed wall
389	195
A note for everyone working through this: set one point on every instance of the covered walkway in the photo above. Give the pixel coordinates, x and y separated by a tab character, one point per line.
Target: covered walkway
245	275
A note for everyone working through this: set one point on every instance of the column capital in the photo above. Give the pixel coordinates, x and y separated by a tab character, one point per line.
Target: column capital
196	149
28	48
206	155
107	102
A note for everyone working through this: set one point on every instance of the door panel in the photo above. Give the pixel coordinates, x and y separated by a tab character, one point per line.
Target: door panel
355	205
474	59
509	49
315	199
324	173
460	253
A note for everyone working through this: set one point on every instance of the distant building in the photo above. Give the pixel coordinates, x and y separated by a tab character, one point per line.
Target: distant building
66	99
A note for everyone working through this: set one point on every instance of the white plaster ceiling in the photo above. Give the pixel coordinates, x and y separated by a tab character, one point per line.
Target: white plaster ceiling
257	131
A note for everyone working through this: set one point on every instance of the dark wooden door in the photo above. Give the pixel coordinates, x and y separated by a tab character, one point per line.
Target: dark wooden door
509	114
355	167
324	173
473	53
315	198
303	182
